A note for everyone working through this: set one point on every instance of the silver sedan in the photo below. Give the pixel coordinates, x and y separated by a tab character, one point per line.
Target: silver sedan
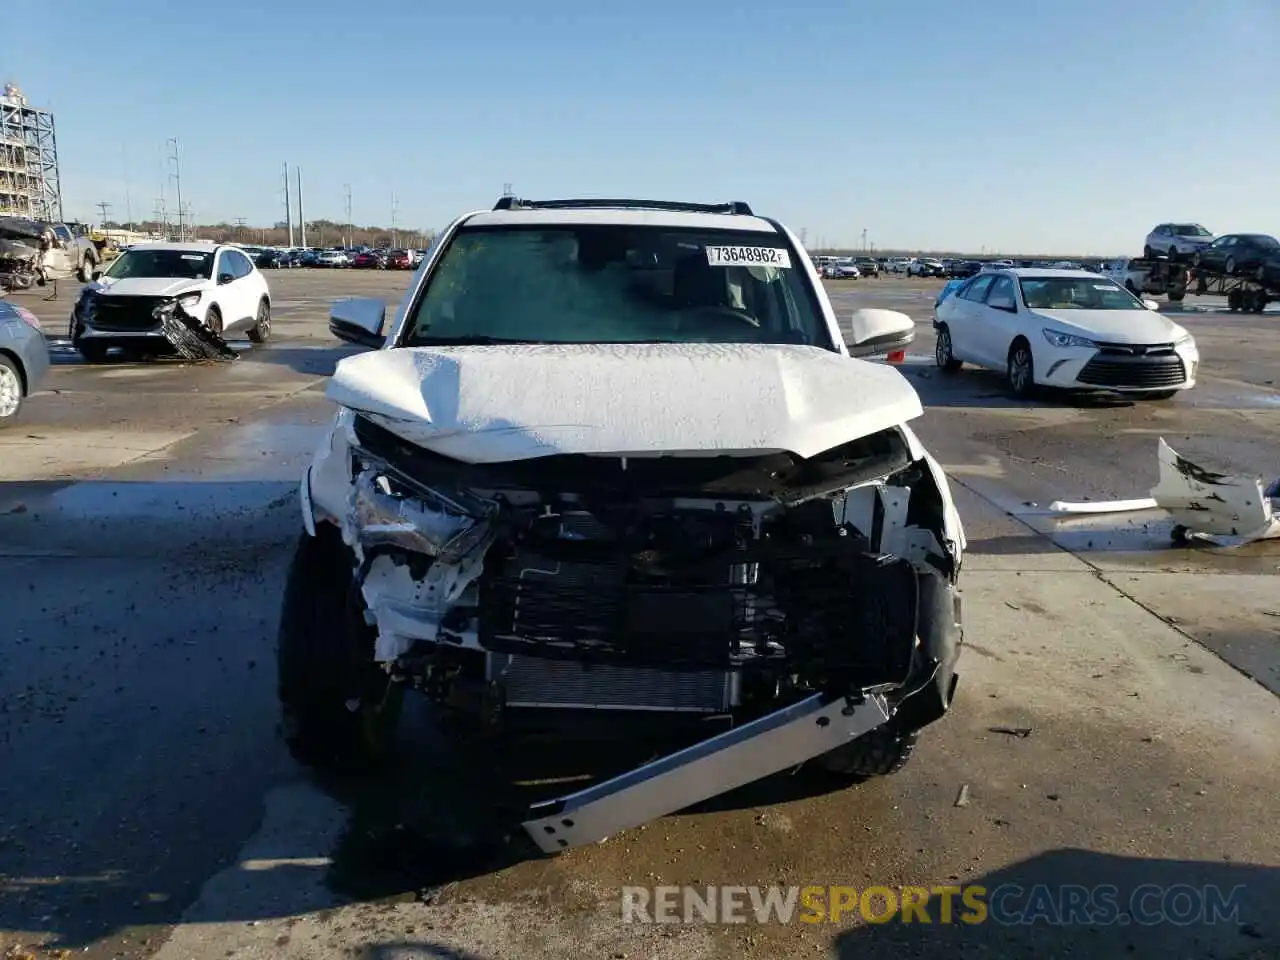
24	358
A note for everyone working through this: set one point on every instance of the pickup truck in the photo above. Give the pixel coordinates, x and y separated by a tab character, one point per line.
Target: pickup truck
36	251
1158	276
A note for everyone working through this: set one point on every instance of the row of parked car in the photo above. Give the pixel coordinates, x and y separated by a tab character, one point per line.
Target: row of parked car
365	258
853	268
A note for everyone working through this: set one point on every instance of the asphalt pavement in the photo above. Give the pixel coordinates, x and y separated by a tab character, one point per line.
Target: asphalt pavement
1117	721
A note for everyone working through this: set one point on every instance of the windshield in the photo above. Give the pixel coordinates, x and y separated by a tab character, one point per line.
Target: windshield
617	284
179	264
1076	293
1190	230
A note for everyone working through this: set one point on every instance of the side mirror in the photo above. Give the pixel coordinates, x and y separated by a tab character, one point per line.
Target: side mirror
225	278
359	320
1003	303
1151	304
874	331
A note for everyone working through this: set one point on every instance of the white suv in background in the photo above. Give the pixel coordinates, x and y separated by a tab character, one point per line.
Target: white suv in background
1176	240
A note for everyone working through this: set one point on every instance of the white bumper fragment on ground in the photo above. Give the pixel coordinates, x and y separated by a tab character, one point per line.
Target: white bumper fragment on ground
1220	508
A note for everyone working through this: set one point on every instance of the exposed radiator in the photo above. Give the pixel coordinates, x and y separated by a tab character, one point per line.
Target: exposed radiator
535	682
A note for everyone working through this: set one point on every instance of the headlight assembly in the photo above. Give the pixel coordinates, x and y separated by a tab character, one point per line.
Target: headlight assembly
189	300
1059	339
1184	340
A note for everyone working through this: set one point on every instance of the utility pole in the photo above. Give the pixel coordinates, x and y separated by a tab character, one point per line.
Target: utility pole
177	182
288	214
302	221
103	207
506	190
395	239
128	203
239	227
162	217
350	228
864	240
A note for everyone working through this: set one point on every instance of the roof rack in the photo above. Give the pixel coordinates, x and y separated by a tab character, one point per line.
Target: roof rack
738	207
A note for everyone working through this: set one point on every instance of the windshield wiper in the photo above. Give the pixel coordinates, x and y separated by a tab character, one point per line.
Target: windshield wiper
466	341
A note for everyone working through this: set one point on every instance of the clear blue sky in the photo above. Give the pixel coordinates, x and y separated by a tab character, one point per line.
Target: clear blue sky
1007	125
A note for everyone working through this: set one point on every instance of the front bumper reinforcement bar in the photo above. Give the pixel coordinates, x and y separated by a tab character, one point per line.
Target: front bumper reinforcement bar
782	739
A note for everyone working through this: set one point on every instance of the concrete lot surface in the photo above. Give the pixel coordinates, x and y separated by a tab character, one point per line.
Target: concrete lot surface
1117	721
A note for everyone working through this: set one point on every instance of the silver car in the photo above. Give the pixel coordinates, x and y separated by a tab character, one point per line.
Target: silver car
1176	240
24	357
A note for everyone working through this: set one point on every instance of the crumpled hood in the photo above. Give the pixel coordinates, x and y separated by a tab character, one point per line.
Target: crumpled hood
1114	326
490	404
149	286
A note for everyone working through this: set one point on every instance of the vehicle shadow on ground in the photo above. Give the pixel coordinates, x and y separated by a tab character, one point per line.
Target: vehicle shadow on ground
447	813
982	388
1081	903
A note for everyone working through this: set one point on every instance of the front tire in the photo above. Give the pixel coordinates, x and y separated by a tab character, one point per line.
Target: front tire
880	753
86	269
943	351
1020	370
260	332
339	710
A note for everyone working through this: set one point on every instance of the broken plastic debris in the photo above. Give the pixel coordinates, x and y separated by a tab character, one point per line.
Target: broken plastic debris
1224	509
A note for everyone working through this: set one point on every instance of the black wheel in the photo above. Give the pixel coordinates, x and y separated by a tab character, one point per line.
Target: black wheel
1128	285
260	332
1148	253
1234	300
1177	295
12	389
339	710
1162	395
880	753
1230	266
86	269
1195	259
1020	370
1173	253
213	320
92	351
942	351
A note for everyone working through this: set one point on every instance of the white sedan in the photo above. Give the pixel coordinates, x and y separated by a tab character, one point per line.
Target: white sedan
1066	329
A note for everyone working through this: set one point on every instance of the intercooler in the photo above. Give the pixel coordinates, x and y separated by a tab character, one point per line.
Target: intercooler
537	682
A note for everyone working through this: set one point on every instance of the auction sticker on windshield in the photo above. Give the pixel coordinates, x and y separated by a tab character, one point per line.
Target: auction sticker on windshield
748	257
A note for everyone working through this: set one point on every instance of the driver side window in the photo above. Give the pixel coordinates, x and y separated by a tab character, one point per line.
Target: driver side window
62	233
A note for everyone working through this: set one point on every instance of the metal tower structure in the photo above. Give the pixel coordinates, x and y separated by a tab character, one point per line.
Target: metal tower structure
28	159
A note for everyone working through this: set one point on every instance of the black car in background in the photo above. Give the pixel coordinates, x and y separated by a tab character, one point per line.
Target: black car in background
964	268
273	260
867	266
1241	254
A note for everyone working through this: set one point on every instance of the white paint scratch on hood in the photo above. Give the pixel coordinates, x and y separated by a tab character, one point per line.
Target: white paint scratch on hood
487	404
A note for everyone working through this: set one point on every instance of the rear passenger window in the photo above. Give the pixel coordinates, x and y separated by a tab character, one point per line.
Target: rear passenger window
977	291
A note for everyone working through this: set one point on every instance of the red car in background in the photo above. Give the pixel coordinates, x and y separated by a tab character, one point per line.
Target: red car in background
399	260
369	260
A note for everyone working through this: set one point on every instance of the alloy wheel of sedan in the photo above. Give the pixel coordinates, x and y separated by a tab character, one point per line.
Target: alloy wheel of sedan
943	355
10	390
1021	370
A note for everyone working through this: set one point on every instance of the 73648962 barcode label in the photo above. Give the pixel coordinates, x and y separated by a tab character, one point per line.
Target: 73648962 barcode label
748	257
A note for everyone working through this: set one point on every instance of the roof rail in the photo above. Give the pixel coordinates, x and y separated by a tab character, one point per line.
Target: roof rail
738	207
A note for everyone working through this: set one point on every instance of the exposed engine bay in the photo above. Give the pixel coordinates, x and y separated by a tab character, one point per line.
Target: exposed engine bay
699	584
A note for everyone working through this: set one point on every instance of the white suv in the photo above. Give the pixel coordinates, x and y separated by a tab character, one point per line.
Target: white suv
166	297
614	462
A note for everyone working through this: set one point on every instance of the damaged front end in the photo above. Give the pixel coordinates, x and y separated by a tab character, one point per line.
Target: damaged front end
800	602
25	249
112	319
